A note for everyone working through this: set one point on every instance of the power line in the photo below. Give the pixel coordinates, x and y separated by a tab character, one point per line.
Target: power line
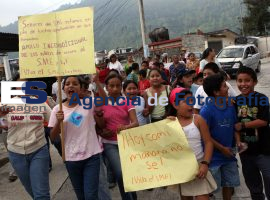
105	6
106	15
53	5
111	17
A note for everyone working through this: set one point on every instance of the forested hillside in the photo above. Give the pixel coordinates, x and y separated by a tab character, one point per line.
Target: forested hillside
117	21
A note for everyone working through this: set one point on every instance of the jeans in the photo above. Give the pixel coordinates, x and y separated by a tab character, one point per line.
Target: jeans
84	176
256	171
47	136
110	175
103	189
226	175
33	171
111	152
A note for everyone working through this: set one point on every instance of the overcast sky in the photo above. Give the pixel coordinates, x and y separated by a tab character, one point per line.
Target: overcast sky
11	9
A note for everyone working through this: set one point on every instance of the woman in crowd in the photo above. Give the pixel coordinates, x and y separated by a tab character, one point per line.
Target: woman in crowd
115	64
209	55
27	149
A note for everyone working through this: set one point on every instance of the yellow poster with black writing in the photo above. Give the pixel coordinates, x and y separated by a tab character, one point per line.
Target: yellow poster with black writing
57	44
155	155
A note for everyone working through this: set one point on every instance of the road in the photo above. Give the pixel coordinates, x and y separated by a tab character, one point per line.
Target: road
60	185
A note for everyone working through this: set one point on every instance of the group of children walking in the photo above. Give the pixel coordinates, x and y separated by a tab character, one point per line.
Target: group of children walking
215	131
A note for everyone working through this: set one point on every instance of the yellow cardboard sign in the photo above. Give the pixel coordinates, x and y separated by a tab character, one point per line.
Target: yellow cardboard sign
57	44
156	155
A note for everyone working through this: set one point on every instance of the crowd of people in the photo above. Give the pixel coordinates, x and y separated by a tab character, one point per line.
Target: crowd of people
216	131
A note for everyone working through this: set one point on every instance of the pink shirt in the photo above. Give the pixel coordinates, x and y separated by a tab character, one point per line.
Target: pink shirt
115	115
81	140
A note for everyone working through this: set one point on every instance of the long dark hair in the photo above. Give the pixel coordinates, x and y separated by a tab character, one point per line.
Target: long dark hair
111	76
78	77
154	69
206	53
127	82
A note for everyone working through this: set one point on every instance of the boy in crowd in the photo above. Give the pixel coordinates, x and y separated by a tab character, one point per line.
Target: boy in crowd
253	117
200	96
134	75
221	119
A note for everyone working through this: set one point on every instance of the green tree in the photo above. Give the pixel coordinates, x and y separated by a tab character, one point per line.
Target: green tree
257	21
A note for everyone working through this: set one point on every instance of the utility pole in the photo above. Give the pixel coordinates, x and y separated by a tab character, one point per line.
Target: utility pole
266	36
241	15
142	21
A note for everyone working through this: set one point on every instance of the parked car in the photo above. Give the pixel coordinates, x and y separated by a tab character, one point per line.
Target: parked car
233	57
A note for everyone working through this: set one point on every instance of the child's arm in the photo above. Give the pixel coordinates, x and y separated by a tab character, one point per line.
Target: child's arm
147	106
208	144
133	121
237	138
253	124
98	115
205	134
224	150
100	89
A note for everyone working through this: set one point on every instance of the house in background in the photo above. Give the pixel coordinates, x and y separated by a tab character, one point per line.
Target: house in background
198	41
220	39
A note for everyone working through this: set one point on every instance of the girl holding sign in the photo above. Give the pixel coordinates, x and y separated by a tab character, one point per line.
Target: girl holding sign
196	131
82	146
116	118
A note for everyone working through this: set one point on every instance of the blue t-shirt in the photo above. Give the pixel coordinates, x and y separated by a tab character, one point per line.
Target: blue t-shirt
221	126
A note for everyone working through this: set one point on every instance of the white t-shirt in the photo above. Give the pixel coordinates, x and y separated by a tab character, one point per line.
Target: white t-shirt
55	91
200	91
117	66
81	140
204	62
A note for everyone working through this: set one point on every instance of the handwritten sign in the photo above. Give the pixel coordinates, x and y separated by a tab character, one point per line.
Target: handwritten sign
156	155
57	44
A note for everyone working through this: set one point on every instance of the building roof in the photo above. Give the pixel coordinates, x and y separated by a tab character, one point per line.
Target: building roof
165	42
221	32
9	42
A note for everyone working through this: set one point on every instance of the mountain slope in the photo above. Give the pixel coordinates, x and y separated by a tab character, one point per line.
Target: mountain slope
117	21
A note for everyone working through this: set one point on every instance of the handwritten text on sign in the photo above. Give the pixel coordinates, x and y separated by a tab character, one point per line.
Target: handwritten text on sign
57	44
155	155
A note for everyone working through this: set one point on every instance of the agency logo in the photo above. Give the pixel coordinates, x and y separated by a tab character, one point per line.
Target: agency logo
23	89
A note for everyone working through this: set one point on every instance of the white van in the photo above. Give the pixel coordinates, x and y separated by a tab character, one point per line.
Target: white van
233	57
